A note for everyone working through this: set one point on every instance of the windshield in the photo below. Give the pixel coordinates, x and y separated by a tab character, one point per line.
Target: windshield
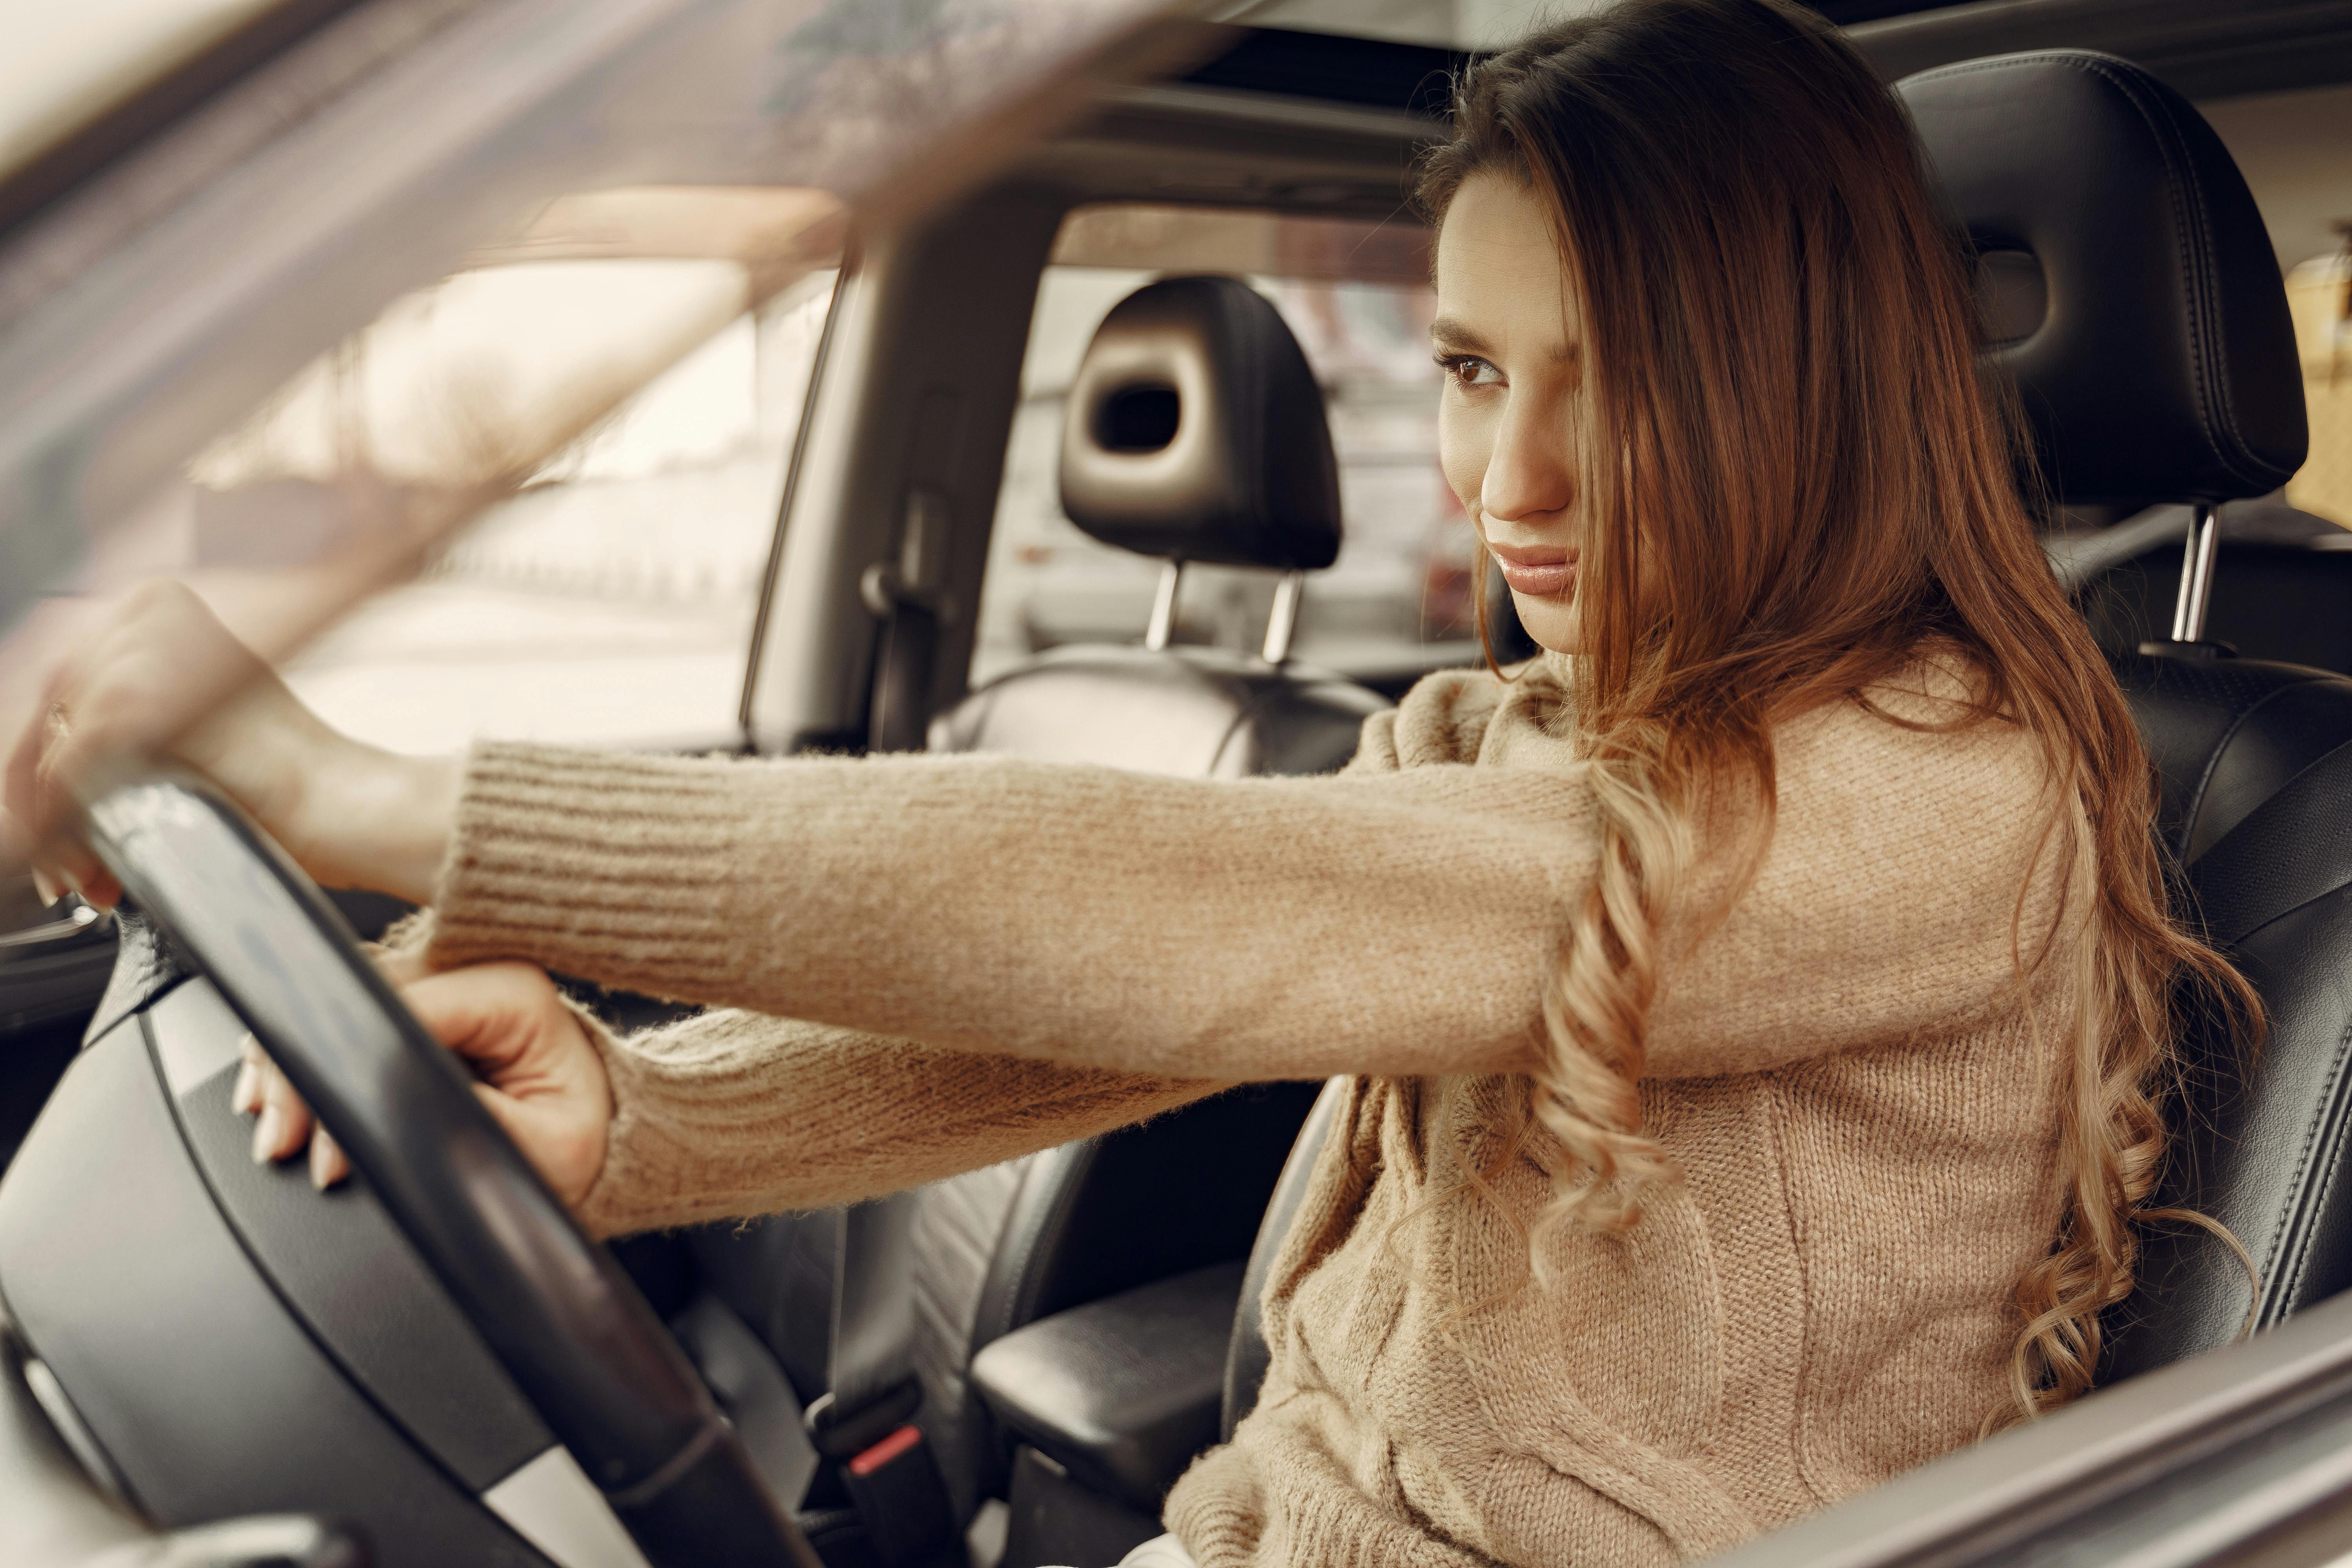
415	264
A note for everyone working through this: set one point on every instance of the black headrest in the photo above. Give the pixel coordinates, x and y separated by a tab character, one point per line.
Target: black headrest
1195	432
2129	284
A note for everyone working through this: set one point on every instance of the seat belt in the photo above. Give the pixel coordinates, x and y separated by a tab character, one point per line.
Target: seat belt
905	593
754	1393
865	1422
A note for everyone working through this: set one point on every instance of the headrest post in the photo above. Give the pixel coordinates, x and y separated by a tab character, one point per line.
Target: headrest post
2195	576
1163	607
1283	622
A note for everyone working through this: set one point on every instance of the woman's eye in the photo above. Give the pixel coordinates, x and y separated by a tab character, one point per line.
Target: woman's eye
1471	371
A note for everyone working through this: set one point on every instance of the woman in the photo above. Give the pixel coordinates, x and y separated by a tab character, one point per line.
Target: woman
1754	1003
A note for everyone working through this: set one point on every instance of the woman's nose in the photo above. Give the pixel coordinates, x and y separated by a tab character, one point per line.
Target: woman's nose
1529	476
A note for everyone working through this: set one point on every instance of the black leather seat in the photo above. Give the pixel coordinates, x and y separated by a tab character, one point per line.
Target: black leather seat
1195	433
2164	368
2261	817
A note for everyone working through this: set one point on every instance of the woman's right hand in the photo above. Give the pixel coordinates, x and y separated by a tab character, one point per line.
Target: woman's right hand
162	676
541	1078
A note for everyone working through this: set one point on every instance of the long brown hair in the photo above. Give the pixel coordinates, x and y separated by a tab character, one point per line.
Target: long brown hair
1784	406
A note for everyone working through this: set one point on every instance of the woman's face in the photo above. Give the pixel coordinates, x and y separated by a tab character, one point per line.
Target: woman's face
1512	349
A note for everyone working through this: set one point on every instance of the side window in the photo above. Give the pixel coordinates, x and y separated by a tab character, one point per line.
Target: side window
607	595
1358	296
611	599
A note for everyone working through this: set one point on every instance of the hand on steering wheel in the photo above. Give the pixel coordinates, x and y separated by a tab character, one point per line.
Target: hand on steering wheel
541	1078
156	675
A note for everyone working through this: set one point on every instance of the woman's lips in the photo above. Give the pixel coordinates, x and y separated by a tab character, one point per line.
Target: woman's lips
1539	571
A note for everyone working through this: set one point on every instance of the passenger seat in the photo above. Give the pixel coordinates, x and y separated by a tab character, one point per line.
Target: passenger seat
1195	435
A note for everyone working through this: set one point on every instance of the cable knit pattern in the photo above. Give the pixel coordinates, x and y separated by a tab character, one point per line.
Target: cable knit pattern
988	956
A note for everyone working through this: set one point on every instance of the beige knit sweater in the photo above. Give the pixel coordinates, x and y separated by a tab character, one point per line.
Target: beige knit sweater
991	956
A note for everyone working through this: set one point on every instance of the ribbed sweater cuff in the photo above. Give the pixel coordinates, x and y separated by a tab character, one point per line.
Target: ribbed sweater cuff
614	1203
590	862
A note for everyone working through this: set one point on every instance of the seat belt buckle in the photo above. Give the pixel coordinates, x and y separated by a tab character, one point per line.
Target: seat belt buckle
902	1498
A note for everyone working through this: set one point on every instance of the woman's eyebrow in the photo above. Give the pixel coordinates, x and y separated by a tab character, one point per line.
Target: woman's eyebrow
1448	334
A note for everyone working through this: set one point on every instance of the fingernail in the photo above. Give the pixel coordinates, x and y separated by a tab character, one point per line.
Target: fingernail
244	1097
47	889
323	1161
265	1134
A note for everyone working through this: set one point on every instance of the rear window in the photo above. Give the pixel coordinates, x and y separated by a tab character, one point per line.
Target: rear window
2319	292
1358	296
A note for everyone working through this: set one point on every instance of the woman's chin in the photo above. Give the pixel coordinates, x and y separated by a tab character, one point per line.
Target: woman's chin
1550	620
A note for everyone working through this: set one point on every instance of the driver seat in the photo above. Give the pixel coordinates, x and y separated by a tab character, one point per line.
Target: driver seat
2163	368
1193	435
2133	297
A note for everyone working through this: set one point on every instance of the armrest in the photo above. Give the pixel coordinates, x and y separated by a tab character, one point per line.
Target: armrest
1124	1391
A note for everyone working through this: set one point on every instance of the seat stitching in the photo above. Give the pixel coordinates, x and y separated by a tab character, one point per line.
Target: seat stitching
2239	931
1022	1299
1245	722
2183	190
2196	804
2294	1233
2182	184
1056	1220
2333	1096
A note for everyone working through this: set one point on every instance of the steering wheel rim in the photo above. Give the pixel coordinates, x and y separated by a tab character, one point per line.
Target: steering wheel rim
557	1311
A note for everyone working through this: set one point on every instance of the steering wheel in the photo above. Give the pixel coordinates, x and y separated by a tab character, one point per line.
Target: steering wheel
554	1307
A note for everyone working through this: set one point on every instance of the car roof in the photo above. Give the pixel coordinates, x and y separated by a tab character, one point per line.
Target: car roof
1452	25
2203	48
78	83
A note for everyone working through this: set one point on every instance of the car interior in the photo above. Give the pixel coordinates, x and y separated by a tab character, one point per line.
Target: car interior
204	1362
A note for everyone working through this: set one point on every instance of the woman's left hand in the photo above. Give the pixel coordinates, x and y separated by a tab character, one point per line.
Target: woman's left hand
158	675
541	1078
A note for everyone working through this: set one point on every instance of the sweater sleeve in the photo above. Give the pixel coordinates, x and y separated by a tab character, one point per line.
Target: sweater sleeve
1398	922
1916	881
731	1113
1221	931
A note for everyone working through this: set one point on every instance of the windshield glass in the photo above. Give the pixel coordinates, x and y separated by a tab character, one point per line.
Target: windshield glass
412	269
